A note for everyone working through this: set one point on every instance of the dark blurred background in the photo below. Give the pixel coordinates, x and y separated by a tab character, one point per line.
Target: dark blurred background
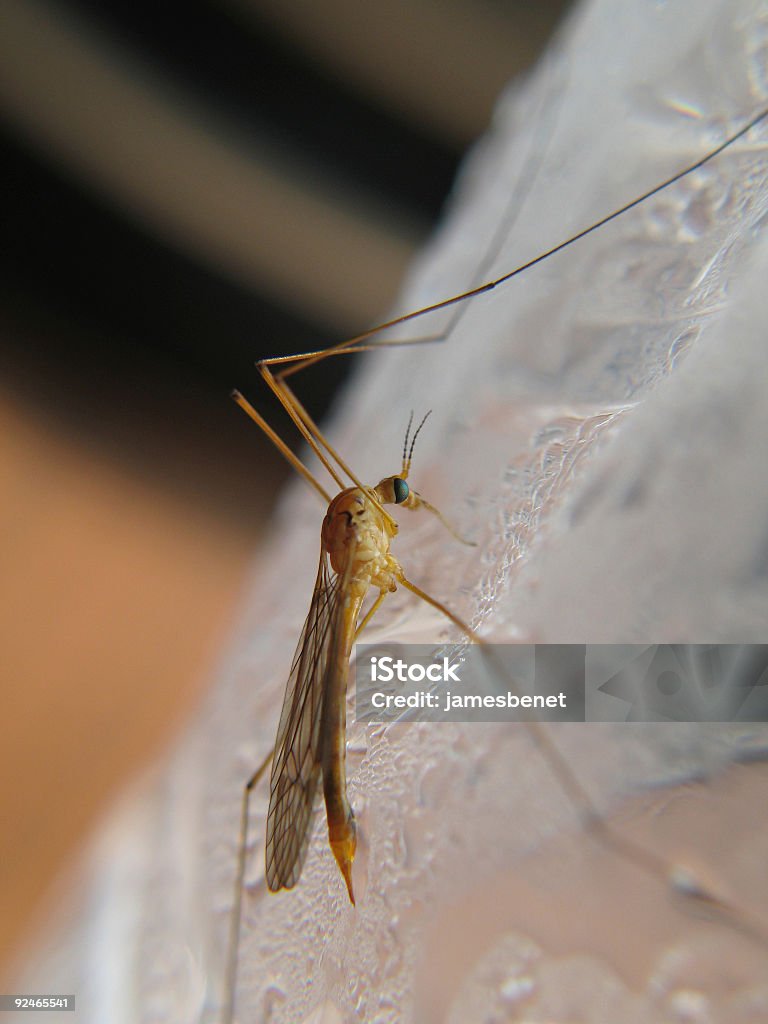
186	188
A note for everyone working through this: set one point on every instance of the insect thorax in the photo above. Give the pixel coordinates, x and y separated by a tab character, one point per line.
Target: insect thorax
355	526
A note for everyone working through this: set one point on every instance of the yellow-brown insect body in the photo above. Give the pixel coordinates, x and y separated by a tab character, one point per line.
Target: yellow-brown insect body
355	556
356	536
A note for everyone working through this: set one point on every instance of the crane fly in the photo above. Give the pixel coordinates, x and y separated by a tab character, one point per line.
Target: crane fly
355	556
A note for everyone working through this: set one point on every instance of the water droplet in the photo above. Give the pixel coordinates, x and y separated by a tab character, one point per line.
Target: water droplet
690	1007
515	989
271	1001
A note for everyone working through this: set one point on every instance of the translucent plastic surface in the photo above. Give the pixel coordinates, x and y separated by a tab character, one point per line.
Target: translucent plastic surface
599	430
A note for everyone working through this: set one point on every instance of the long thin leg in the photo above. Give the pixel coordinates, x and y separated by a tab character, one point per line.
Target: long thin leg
565	777
281	446
369	615
237	903
358	343
370	339
658	868
310	431
463	626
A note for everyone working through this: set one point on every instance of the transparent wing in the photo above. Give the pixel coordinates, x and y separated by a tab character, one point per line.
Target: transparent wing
296	766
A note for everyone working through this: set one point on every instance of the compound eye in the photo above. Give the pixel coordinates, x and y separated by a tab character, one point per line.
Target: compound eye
401	490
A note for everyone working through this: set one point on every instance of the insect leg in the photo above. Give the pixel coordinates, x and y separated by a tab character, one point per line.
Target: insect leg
304	422
681	882
463	626
371	338
281	446
237	902
369	614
